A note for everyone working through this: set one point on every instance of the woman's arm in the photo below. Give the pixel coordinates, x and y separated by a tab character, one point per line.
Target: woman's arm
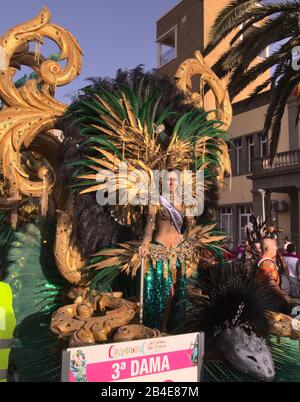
149	229
279	292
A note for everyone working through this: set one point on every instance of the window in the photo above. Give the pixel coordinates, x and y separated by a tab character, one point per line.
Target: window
229	150
230	158
226	221
263	145
238	145
245	215
167	47
250	144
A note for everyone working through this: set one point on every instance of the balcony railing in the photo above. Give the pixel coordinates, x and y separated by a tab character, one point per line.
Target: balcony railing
281	160
168	56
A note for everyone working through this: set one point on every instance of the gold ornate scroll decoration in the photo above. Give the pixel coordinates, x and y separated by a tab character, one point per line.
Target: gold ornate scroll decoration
223	110
30	111
67	256
282	325
94	317
198	67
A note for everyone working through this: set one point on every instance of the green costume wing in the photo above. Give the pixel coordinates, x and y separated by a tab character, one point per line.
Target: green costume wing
38	291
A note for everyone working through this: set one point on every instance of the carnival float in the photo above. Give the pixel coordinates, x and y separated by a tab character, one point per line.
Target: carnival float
84	273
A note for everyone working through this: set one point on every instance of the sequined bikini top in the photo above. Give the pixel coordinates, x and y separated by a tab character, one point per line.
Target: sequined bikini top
165	215
168	212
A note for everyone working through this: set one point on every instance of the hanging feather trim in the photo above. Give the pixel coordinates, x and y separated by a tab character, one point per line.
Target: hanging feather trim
45	197
46	176
189	252
37	50
15	209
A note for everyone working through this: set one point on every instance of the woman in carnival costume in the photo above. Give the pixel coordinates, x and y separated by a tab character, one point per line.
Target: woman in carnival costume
145	123
141	122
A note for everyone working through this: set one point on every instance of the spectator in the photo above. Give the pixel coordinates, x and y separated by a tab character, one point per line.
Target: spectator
230	253
286	242
241	249
246	252
267	269
292	262
249	255
230	246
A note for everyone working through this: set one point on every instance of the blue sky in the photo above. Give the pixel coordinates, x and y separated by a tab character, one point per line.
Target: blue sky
112	33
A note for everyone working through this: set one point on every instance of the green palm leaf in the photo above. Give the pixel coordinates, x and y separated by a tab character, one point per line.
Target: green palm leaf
276	23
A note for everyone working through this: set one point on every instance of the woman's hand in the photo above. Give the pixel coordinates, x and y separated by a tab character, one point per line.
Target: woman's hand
144	249
289	300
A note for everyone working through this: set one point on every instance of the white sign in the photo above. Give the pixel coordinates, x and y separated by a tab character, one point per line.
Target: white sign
166	359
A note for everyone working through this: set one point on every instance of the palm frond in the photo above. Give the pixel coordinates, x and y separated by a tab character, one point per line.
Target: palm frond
227	20
275	23
240	80
276	108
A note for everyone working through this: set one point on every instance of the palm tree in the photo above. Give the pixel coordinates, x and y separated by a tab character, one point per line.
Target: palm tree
276	23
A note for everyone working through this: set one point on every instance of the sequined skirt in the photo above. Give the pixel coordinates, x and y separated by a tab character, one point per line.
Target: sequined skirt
162	273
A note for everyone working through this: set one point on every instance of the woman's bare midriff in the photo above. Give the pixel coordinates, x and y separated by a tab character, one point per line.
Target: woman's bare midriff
167	234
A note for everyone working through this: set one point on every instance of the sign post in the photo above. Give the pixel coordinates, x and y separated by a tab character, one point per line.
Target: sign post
167	359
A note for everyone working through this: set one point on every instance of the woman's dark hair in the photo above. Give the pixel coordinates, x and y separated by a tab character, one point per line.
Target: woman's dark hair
291	248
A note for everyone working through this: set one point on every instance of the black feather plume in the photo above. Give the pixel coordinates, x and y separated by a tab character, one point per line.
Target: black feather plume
228	296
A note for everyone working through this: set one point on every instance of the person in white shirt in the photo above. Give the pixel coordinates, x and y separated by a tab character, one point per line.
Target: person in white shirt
292	262
286	243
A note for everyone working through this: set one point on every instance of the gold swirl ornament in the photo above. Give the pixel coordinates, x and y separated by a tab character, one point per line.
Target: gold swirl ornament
135	332
223	111
82	324
197	67
31	110
69	260
282	325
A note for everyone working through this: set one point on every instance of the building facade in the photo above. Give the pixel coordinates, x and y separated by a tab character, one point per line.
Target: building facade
180	32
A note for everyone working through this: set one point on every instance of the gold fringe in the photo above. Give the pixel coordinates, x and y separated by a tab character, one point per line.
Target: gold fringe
165	269
14	217
37	51
14	211
45	197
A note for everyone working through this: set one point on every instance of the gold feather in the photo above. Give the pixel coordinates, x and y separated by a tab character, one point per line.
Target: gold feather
130	114
109	109
110	262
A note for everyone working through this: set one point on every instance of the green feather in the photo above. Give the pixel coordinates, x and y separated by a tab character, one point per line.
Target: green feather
38	291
